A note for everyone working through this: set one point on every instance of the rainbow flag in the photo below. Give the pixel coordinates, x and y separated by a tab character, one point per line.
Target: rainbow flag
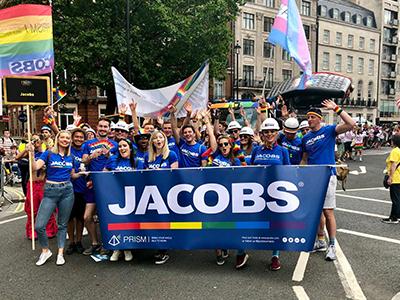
26	40
59	94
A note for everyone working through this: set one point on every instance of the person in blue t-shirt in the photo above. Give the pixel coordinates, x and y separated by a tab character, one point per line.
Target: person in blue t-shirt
76	221
123	161
246	136
167	129
289	140
270	153
58	193
95	155
142	142
319	149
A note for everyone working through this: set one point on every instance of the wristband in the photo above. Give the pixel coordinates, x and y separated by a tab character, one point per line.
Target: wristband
336	109
263	109
339	111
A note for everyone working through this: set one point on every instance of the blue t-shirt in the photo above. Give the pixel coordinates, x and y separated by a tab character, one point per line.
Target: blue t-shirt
172	145
98	163
294	147
320	146
159	162
116	163
78	184
58	168
275	156
222	161
190	155
139	159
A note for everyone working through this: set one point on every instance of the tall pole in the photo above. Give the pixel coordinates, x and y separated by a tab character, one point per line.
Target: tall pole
237	51
30	178
128	41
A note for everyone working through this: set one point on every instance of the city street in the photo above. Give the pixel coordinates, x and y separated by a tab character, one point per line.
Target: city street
367	265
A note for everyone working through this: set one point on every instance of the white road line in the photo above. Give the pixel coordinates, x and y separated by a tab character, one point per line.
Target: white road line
300	292
396	297
362	189
366	199
11	220
370	236
301	265
347	277
360	213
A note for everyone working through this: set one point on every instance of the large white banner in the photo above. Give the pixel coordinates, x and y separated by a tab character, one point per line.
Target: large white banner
154	103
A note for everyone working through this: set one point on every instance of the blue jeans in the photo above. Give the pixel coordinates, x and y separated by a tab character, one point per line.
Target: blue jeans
62	197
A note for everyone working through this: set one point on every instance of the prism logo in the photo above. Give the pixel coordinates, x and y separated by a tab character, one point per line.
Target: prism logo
114	241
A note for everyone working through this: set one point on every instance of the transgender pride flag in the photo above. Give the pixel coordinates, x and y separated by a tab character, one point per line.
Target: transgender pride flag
288	32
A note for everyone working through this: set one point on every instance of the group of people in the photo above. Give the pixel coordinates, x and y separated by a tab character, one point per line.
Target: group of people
60	166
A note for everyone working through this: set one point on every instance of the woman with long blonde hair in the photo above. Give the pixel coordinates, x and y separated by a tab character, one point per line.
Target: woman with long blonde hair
58	193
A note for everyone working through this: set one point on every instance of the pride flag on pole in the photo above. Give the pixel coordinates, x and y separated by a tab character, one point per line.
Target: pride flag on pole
288	32
26	40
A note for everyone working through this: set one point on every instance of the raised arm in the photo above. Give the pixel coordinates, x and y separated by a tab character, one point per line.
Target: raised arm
245	120
135	119
211	135
174	124
348	121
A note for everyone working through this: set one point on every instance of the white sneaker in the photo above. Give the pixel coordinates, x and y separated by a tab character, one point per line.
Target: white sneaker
115	255
319	246
60	260
44	256
331	253
128	255
360	158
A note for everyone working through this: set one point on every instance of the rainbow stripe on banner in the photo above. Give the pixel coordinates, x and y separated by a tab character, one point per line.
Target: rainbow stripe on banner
26	40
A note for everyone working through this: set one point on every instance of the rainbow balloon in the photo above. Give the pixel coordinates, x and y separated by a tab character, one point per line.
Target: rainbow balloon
26	40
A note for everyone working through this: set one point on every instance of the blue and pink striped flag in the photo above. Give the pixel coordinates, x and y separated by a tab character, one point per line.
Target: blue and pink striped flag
288	32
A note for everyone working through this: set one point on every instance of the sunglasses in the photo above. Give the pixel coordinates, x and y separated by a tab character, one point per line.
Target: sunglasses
268	131
119	130
143	138
244	136
223	144
234	131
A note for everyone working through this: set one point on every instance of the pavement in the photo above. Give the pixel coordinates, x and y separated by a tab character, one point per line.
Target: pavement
367	265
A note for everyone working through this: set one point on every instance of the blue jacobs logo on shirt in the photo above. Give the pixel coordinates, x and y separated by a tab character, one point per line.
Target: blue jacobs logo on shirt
60	164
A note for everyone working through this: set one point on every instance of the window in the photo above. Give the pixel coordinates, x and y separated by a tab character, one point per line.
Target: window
360	90
323	10
270	3
218	89
67	115
326	36
350	41
248	47
361	43
101	92
370	90
371	67
306	8
325	61
307	31
270	77
268	50
347	16
248	75
387	17
286	74
370	21
285	55
372	45
360	65
335	13
350	64
248	21
338	39
358	19
338	62
268	24
102	110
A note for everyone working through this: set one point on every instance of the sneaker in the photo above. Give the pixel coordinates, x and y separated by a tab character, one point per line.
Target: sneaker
71	249
128	255
319	246
360	158
161	259
390	221
92	249
241	261
275	264
60	260
225	253
79	248
331	253
220	260
44	256
104	251
115	255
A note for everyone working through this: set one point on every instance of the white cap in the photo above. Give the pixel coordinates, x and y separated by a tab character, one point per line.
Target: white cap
131	126
270	124
91	130
112	126
70	127
246	130
122	126
291	125
304	124
234	125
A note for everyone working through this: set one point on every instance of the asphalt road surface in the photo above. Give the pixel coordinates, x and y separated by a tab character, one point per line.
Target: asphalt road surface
367	266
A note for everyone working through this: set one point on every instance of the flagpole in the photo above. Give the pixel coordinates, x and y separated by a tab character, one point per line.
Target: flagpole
268	67
51	74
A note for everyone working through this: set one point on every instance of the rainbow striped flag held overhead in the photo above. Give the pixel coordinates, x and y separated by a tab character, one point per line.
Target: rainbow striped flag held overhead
288	32
26	40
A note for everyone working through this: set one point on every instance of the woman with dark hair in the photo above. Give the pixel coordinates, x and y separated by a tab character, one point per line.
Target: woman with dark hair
58	193
392	169
124	160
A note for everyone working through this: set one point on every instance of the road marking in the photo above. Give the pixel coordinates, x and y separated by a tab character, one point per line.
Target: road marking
11	220
347	277
360	213
363	189
301	265
300	292
366	199
370	236
20	207
396	297
363	171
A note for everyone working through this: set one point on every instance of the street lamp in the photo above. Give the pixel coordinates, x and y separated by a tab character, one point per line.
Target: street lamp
237	51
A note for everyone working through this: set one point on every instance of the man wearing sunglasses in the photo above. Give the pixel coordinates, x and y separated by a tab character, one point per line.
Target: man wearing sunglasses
142	142
234	130
291	141
121	130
